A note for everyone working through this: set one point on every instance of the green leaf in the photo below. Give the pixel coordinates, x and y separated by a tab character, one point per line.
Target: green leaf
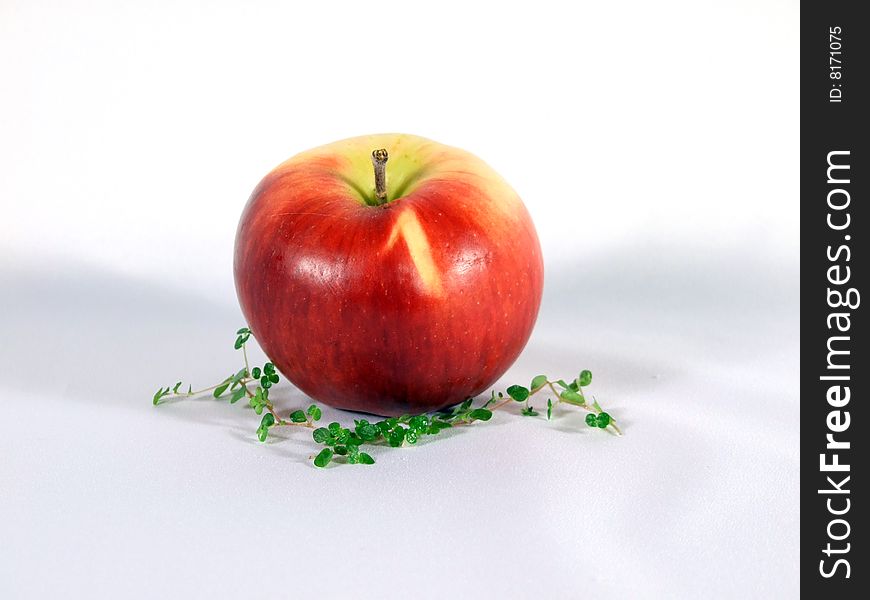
396	437
159	394
367	432
220	389
529	411
411	436
549	408
297	416
561	383
572	397
237	378
255	372
243	330
574	386
274	378
268	420
603	420
419	422
262	433
437	426
321	435
238	395
334	428
365	459
175	389
585	377
465	405
323	458
317	414
268	368
518	393
340	450
481	414
190	390
240	341
538	382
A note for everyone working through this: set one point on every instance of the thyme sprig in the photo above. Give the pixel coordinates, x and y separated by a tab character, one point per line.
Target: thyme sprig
344	443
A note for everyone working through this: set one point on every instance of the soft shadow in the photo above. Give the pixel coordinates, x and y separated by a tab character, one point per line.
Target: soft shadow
95	336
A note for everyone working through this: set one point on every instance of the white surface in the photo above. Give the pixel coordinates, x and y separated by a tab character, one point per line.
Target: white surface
657	151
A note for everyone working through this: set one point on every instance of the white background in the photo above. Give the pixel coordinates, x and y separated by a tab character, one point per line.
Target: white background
654	143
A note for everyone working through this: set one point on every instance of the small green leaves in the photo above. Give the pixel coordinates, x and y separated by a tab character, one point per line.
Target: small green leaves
259	400
238	394
325	457
268	377
572	397
518	393
396	437
345	443
221	388
244	333
601	420
437	425
481	414
161	392
267	422
321	435
236	379
418	423
407	429
538	382
366	431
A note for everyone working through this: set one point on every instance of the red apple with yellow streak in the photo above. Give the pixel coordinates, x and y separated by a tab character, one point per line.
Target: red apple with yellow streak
388	274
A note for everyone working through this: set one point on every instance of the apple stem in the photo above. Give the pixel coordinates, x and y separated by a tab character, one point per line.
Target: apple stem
379	160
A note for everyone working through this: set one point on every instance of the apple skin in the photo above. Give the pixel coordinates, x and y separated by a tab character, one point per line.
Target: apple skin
401	308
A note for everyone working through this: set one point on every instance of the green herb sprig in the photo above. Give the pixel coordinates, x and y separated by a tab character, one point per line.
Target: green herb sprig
344	443
239	386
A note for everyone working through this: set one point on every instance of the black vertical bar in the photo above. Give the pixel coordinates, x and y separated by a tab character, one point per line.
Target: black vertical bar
835	222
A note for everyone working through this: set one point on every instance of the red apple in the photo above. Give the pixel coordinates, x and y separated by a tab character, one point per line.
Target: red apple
405	303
